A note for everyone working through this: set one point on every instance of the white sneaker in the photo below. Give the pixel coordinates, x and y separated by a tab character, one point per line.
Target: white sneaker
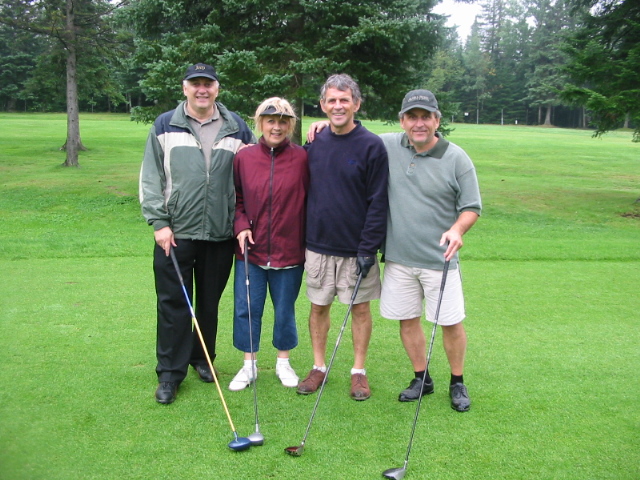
242	379
287	375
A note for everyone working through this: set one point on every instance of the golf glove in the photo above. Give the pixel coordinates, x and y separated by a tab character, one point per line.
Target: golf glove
365	264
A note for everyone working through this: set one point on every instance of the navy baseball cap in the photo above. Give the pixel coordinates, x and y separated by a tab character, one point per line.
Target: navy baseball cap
201	70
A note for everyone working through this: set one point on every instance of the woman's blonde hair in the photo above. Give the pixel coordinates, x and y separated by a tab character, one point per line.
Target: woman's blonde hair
276	106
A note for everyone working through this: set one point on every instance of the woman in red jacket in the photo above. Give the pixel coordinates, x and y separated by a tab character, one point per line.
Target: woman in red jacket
271	180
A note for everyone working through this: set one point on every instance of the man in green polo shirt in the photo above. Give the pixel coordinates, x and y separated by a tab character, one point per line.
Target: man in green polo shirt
434	199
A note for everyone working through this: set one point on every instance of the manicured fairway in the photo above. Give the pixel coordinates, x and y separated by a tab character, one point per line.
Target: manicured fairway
551	271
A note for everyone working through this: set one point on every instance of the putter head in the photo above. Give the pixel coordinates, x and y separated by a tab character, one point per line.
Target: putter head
396	473
239	443
295	451
256	439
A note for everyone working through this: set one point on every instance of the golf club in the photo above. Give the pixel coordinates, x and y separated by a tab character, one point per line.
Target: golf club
238	443
398	473
297	451
255	438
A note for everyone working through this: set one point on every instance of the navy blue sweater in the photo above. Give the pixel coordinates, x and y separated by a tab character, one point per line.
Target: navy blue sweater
347	203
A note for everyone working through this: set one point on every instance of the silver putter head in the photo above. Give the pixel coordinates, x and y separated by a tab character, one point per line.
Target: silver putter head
295	451
395	473
256	439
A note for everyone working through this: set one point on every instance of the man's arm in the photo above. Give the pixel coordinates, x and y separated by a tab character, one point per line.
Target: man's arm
375	225
152	185
314	128
453	236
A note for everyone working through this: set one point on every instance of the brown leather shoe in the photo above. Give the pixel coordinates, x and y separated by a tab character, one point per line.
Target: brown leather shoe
312	382
360	387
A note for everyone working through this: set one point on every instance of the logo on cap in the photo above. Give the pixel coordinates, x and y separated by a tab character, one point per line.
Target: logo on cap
419	97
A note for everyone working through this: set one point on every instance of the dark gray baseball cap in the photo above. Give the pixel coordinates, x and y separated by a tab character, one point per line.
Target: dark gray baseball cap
419	99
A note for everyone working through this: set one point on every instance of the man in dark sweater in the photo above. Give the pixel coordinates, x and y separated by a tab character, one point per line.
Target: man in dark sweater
346	224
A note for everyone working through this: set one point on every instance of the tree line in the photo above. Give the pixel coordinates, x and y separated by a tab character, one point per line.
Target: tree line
551	62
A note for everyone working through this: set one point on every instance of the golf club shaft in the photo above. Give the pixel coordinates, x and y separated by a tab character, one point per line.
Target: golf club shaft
204	346
253	359
433	336
333	355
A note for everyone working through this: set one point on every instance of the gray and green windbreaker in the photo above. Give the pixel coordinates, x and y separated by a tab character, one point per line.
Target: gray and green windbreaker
177	190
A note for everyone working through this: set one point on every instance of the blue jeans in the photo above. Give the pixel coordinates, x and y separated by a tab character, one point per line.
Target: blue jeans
284	286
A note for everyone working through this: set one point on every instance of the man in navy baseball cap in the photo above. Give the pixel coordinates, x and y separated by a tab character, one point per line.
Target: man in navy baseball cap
187	195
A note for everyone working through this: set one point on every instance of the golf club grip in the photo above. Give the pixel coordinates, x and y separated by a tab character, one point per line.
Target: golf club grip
355	291
246	257
445	270
175	264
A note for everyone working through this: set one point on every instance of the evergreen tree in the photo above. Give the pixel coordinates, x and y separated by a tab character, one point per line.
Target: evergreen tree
18	55
475	80
546	76
263	48
74	27
604	63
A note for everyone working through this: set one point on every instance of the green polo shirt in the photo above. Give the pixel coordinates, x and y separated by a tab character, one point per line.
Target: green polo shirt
427	193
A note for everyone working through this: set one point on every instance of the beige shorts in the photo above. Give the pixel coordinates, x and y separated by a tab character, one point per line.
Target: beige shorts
404	290
329	276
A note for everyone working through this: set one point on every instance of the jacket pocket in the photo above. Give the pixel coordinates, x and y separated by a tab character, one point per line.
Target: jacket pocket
173	208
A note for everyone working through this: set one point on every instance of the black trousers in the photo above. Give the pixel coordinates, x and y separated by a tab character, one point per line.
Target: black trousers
208	266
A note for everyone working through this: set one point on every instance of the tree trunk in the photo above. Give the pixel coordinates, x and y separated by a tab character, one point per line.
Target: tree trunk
297	134
547	117
626	120
73	117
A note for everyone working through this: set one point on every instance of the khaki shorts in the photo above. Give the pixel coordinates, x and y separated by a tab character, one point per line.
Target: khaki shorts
329	276
404	290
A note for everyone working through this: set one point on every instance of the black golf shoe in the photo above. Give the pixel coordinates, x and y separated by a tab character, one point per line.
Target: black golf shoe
204	372
459	397
412	392
166	392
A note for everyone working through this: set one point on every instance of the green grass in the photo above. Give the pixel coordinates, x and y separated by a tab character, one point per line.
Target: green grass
551	280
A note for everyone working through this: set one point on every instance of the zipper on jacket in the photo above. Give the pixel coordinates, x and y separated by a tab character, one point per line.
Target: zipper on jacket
207	182
203	222
273	162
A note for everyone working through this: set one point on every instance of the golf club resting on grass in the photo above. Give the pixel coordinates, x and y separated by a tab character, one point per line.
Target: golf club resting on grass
297	451
256	437
238	443
398	473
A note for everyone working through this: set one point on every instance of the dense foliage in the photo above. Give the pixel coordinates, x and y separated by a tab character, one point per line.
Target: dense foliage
264	48
555	62
605	61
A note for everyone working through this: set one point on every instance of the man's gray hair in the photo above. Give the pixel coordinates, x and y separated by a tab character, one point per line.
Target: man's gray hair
342	82
436	113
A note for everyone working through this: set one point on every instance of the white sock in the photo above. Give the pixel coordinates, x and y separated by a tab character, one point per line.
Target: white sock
323	368
248	364
282	361
358	370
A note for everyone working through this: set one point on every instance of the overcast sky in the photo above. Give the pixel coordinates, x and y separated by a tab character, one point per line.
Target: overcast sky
460	14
